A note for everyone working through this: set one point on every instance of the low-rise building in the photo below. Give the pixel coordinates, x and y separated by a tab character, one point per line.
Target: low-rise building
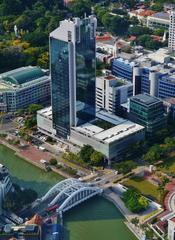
147	111
123	68
141	15
44	122
108	133
111	92
171	228
23	86
159	20
21	232
169	105
112	142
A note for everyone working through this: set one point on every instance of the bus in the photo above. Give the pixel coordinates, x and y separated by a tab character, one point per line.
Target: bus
52	208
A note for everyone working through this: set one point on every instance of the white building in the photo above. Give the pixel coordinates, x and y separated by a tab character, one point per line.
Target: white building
111	92
159	20
113	141
44	122
171	228
171	41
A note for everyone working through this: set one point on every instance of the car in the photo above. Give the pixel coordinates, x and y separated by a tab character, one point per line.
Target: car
97	179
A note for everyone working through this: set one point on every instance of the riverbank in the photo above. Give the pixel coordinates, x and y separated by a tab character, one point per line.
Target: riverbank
115	199
81	222
18	152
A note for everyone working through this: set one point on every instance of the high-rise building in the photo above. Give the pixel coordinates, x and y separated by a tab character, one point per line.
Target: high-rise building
73	71
147	111
111	92
171	41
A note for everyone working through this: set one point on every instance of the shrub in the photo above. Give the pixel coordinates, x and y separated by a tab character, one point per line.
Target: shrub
53	161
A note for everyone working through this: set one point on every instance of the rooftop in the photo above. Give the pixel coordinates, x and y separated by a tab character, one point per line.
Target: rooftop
146	13
170	100
114	81
22	75
47	112
118	132
173	219
115	133
128	62
162	15
145	99
102	114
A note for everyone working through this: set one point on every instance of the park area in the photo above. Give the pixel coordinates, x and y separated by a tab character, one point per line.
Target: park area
144	187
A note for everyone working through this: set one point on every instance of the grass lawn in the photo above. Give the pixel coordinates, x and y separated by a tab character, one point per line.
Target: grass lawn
146	188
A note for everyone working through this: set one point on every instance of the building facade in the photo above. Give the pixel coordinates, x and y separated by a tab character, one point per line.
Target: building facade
23	86
111	92
159	20
113	141
171	228
73	67
171	40
147	111
123	68
44	122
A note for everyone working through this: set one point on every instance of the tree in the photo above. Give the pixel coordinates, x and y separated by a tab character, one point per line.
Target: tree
169	143
79	8
23	22
11	7
147	42
134	201
86	152
97	158
43	60
139	30
135	221
20	111
30	122
53	161
115	24
154	153
33	108
125	166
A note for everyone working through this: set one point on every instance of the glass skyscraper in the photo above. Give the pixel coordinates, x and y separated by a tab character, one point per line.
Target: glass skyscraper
73	69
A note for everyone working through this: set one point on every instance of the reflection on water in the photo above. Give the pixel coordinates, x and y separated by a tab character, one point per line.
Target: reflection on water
25	174
97	219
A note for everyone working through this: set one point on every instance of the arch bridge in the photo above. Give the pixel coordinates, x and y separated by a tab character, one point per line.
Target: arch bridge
69	193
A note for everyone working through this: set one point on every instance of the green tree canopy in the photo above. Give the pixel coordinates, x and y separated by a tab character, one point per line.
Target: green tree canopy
134	201
154	153
86	152
33	108
79	8
97	158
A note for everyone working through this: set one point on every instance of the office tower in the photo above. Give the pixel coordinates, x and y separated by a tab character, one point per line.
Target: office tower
171	41
112	92
73	70
147	111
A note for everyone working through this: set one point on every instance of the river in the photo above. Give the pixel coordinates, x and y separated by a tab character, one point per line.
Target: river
96	219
